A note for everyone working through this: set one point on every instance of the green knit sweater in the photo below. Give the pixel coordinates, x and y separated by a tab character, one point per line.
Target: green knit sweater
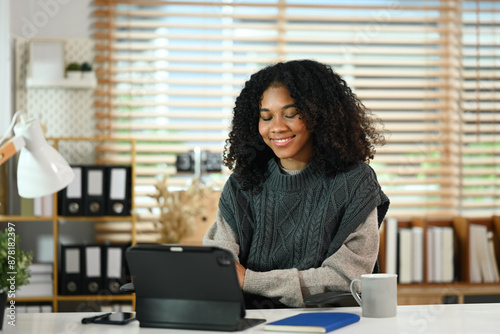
297	221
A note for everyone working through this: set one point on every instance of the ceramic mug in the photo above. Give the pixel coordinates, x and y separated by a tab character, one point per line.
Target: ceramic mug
379	295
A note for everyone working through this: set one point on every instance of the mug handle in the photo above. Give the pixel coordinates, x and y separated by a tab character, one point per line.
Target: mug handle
356	296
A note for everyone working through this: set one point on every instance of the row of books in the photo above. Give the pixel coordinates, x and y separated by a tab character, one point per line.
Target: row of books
407	254
41	281
47	308
33	308
483	261
92	269
117	307
421	251
38	207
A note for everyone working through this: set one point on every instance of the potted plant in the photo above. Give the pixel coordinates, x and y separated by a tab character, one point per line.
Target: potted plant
87	72
14	267
73	71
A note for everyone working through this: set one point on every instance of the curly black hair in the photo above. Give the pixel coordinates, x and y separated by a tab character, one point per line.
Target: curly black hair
342	128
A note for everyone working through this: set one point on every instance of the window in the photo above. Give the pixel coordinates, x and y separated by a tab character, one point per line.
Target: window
169	72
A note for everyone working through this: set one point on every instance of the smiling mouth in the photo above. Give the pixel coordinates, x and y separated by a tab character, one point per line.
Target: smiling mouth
282	141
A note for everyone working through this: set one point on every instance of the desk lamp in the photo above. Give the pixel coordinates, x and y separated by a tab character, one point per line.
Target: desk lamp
41	170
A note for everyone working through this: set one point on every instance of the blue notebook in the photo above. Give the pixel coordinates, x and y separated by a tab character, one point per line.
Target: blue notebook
314	322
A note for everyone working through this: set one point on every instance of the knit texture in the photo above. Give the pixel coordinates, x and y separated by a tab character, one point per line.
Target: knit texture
297	221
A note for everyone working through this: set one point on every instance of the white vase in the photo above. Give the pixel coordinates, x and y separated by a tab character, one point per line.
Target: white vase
74	75
88	75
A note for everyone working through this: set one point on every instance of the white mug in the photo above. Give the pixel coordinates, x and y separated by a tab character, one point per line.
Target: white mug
379	295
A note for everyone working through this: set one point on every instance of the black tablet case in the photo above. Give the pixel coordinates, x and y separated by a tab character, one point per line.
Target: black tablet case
187	288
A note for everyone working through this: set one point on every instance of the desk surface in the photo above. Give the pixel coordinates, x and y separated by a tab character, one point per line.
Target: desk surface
456	318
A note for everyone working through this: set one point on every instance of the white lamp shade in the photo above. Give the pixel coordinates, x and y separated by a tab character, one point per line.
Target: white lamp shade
41	170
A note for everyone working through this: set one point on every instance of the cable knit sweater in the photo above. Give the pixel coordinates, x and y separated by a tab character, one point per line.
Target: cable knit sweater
304	233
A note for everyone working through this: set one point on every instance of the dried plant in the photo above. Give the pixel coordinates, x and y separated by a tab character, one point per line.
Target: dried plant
178	209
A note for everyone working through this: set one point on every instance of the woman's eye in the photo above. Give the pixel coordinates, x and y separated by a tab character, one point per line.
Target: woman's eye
265	119
291	116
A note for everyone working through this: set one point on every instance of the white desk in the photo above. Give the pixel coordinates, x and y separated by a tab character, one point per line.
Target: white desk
429	319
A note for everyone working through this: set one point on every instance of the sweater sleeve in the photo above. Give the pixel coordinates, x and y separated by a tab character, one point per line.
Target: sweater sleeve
355	257
221	235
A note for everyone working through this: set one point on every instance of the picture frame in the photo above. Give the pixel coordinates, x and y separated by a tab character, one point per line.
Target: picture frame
46	59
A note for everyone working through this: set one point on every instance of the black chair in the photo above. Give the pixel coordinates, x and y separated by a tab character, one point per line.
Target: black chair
331	299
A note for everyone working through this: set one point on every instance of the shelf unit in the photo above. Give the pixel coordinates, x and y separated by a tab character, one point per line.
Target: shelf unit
55	219
431	292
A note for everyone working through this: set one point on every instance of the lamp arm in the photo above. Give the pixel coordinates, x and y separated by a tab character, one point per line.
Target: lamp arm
10	148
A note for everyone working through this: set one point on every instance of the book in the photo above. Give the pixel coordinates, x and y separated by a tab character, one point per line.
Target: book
314	322
491	247
391	245
418	254
474	267
448	267
405	255
430	256
42	289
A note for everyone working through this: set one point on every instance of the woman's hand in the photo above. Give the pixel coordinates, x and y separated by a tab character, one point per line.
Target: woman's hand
240	271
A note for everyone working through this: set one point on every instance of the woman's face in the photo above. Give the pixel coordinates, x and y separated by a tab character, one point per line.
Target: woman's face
283	129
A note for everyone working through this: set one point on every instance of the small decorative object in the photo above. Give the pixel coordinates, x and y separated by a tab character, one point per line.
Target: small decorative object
73	71
178	209
87	72
14	267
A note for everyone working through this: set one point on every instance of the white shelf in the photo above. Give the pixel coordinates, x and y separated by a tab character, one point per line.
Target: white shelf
62	83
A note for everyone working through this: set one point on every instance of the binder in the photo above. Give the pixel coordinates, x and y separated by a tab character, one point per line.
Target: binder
92	273
185	162
118	190
213	163
95	199
71	270
71	199
115	270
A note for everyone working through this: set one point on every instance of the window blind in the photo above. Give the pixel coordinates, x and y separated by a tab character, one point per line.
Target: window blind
169	72
480	147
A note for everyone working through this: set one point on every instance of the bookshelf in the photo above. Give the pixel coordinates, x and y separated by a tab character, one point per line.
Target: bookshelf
429	291
56	219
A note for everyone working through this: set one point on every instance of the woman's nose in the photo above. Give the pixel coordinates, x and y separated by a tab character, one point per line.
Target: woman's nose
278	124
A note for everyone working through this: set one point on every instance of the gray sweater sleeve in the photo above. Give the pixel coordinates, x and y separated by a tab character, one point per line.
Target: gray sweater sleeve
355	257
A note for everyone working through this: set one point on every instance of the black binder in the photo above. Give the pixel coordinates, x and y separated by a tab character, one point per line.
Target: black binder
92	269
71	198
95	198
71	270
115	270
187	288
118	190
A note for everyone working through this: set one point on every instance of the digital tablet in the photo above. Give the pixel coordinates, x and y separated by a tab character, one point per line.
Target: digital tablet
187	287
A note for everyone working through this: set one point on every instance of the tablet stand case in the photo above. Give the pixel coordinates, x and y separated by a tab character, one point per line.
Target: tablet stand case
187	288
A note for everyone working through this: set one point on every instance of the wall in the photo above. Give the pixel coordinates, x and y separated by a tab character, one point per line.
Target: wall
5	61
43	19
51	18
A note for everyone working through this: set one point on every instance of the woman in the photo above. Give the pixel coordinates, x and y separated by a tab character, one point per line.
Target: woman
301	211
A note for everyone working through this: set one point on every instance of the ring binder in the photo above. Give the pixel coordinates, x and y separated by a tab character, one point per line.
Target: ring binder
71	270
118	179
95	194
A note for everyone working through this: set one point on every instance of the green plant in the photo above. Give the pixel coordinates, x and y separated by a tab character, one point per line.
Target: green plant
86	67
14	262
73	67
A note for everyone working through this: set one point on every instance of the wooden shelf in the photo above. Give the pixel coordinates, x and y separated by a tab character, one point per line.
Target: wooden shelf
434	293
6	218
56	219
128	297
